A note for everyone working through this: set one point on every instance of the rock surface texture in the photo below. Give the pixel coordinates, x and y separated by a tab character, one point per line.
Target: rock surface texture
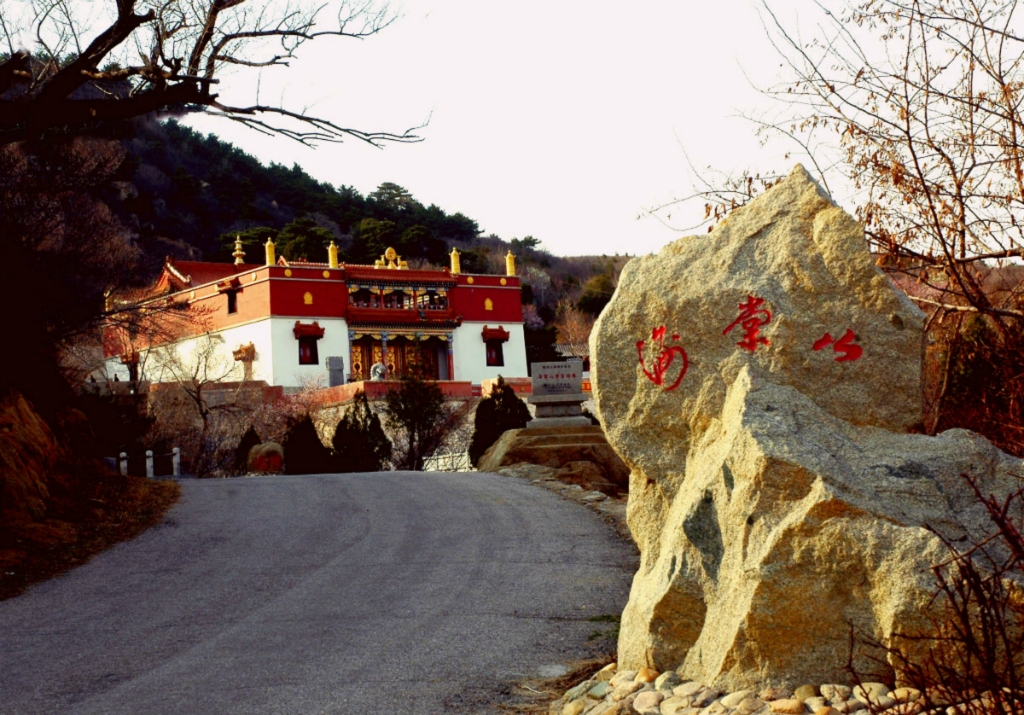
760	383
563	448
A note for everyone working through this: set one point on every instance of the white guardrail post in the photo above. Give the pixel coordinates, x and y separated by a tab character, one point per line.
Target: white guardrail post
176	461
123	464
149	463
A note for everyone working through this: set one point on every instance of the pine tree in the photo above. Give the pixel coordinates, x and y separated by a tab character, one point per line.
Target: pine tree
360	444
502	410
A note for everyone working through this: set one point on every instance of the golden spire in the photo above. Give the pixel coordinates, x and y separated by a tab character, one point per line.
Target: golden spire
456	266
510	264
239	253
332	255
269	245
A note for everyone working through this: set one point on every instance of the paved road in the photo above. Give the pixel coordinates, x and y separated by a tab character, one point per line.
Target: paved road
397	593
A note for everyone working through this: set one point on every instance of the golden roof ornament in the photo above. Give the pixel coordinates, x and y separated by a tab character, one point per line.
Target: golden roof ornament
456	265
391	260
269	246
239	253
510	264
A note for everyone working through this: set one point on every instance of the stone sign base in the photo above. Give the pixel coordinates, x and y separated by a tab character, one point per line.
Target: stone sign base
557	411
549	422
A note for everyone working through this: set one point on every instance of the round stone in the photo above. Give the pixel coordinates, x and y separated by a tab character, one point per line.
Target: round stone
836	693
806	691
578	690
574	708
906	695
623	676
688	690
768	694
667	680
705	697
606	673
748	706
648	703
600	690
625	689
676	706
647	675
734	699
790	706
872	692
852	705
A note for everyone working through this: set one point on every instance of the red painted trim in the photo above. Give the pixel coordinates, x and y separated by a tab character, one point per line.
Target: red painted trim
471	303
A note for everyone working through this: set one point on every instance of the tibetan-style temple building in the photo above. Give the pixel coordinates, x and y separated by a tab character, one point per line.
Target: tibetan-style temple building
299	323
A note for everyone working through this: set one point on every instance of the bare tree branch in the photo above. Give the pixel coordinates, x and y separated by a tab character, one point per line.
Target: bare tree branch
70	86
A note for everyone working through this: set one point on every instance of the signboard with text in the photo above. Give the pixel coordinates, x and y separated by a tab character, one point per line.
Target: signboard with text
557	378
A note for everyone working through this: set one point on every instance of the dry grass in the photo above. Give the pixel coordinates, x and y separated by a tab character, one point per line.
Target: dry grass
109	510
534	697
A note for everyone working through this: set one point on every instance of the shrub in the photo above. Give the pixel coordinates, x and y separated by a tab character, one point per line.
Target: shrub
249	440
304	453
975	379
500	411
360	444
418	414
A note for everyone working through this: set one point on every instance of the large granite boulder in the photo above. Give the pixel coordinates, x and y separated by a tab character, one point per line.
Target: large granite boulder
763	409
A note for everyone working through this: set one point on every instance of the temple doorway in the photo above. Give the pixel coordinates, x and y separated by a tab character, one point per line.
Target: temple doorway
425	357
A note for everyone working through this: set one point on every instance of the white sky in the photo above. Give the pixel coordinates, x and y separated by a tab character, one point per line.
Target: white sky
561	120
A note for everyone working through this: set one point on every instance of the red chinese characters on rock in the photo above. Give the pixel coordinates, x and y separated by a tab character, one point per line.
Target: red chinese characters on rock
844	345
664	359
752	318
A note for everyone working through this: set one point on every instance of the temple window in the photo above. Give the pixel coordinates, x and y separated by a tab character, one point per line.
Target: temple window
307	351
232	302
495	354
307	334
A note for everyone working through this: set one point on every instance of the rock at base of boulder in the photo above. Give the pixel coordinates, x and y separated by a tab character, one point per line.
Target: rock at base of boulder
557	447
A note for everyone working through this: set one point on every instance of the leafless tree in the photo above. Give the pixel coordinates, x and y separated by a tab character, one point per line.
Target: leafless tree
200	379
574	326
165	55
916	105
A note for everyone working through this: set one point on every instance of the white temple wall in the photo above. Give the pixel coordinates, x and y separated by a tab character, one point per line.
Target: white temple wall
287	370
214	352
470	353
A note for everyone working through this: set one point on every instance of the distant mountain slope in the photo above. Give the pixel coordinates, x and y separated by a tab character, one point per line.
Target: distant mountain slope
182	192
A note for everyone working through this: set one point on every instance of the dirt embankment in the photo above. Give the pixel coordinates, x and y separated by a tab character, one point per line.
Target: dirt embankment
58	505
